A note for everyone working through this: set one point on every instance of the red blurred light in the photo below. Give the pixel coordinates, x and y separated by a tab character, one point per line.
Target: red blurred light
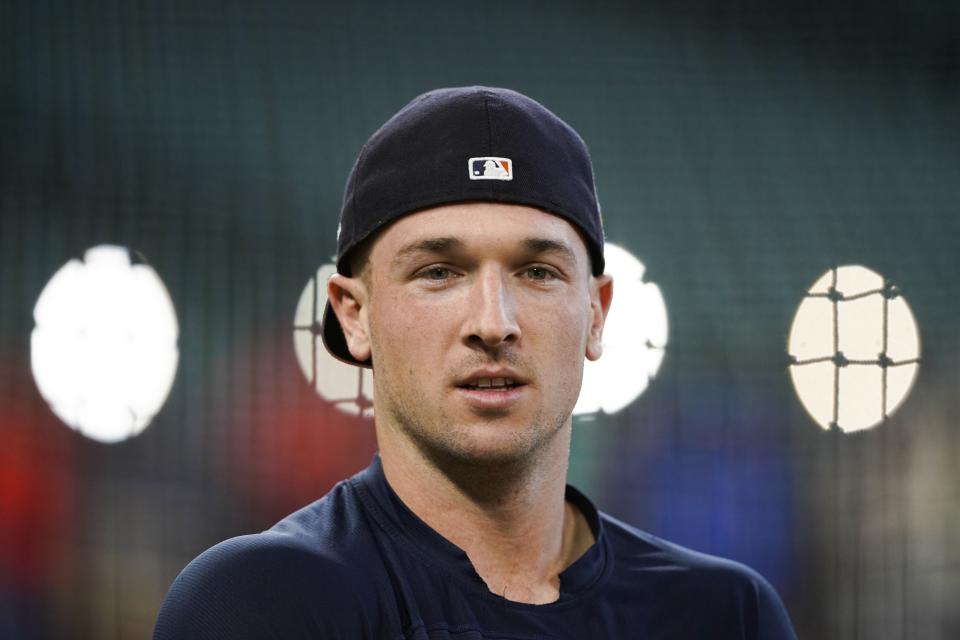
36	494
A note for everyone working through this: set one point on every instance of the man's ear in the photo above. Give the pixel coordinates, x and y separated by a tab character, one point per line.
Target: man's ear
600	296
348	298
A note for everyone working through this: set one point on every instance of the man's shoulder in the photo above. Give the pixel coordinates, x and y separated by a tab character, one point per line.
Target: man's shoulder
321	541
634	545
308	562
327	522
687	581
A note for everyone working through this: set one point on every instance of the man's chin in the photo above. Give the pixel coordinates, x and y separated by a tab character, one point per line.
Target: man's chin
488	446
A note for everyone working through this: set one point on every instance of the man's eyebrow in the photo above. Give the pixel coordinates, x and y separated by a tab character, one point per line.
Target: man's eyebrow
547	245
428	245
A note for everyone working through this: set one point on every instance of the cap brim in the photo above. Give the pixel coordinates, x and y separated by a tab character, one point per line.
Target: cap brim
335	341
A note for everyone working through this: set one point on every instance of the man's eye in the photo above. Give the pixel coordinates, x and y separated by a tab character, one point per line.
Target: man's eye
538	273
437	273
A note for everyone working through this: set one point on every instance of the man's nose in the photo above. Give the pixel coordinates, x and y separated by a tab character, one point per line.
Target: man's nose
492	318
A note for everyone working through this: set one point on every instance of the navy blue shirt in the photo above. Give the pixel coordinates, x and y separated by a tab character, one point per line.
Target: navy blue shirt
358	564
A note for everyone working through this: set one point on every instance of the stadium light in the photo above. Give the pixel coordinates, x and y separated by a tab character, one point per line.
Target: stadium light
104	349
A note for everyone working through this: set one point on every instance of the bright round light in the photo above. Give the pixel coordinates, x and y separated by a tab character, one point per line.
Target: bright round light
855	349
634	338
348	387
104	349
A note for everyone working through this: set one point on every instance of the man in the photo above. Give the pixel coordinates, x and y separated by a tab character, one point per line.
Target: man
470	260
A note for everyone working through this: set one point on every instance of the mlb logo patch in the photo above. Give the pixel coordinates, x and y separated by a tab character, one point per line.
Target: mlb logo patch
489	168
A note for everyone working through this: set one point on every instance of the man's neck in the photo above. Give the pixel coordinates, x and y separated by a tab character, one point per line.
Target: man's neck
512	521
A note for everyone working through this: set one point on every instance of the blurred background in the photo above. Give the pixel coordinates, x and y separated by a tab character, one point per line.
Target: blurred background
742	151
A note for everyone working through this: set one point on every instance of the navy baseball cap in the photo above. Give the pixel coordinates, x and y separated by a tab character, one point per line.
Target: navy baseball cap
465	144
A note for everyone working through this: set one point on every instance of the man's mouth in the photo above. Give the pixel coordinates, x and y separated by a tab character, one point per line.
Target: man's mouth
491	384
498	393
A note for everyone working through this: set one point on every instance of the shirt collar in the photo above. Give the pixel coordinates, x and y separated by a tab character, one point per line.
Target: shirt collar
399	521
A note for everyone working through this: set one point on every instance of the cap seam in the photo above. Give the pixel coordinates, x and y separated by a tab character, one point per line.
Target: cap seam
486	109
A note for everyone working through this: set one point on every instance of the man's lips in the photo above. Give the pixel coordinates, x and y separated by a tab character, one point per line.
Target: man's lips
492	388
493	384
492	397
492	378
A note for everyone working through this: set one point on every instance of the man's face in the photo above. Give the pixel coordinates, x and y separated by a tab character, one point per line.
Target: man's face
478	317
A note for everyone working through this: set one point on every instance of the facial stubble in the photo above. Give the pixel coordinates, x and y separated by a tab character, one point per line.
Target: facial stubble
458	447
